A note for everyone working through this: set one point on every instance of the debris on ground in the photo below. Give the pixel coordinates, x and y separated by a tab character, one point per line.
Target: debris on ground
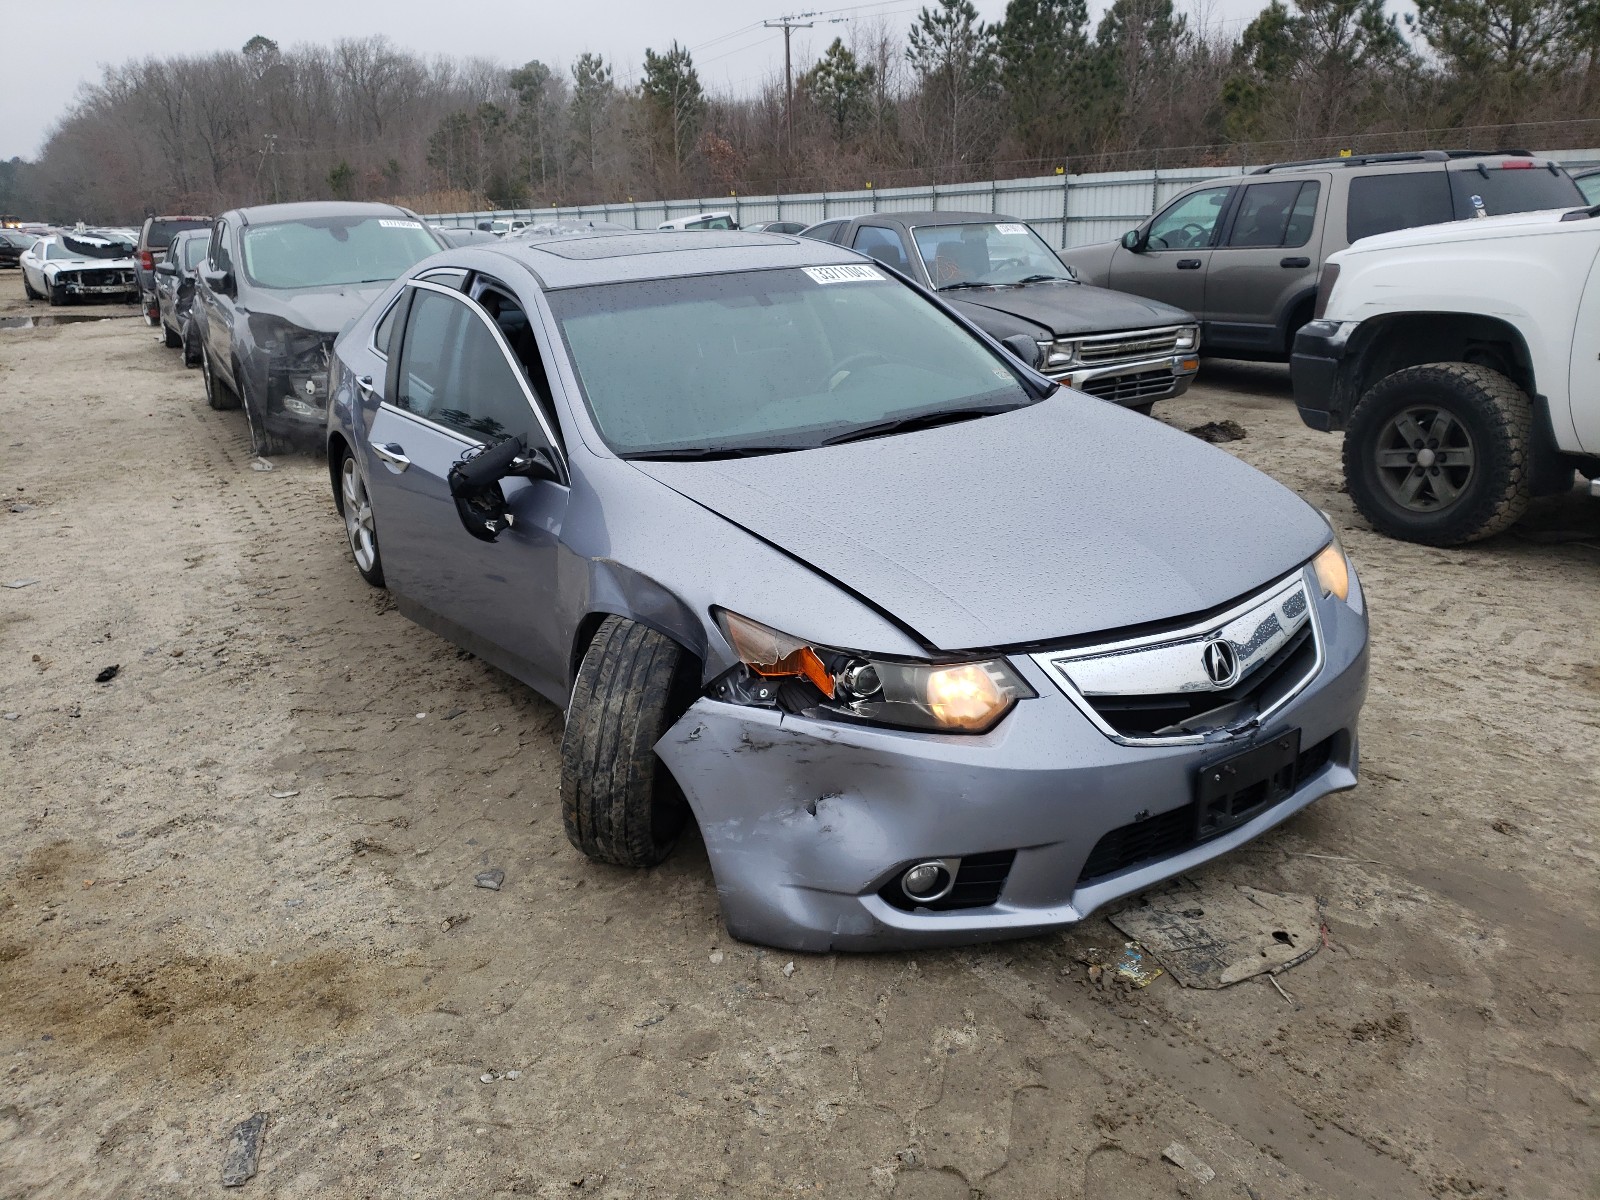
244	1150
454	713
1218	431
788	970
284	793
12	716
261	464
491	879
108	674
21	583
1215	935
1127	964
21	508
1181	1156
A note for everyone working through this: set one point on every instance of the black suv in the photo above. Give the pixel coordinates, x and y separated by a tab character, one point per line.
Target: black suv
278	283
155	235
1244	252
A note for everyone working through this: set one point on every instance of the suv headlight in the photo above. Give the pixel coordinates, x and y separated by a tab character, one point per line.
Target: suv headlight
1188	338
1063	352
779	671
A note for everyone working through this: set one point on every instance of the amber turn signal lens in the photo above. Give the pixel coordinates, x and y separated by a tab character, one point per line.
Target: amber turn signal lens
1333	571
963	696
774	655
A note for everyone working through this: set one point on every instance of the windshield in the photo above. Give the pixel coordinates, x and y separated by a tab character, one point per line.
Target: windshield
1495	191
990	252
1589	185
770	359
325	251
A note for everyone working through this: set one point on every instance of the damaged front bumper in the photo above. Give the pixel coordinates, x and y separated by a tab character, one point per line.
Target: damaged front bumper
809	824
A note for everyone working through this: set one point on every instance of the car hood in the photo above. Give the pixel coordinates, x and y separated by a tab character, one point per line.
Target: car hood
1069	517
1066	309
320	310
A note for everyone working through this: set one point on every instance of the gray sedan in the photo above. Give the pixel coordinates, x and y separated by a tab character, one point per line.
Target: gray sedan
932	649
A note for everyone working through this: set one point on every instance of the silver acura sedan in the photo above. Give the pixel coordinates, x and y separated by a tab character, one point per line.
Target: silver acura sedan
932	649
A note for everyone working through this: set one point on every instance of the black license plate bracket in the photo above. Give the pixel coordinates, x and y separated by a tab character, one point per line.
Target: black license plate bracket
1232	790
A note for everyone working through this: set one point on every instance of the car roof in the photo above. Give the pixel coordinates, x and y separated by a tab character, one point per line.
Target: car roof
612	257
931	217
261	214
1378	164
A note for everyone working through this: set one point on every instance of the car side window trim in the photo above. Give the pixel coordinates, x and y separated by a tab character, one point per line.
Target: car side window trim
511	361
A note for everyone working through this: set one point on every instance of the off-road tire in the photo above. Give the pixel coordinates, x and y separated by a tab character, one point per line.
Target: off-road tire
172	339
217	394
619	802
1498	417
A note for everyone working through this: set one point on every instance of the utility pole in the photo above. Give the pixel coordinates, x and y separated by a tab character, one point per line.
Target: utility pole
789	25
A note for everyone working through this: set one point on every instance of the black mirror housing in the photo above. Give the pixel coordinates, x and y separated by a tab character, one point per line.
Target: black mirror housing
1023	347
165	268
1133	240
219	281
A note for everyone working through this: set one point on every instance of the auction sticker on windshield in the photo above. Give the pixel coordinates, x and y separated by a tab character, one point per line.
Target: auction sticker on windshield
399	224
1011	230
843	274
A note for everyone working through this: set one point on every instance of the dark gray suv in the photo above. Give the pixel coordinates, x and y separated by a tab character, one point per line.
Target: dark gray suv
1244	254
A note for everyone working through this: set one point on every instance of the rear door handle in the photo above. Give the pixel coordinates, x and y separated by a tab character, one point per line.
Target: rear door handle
1188	264
366	385
1294	262
393	456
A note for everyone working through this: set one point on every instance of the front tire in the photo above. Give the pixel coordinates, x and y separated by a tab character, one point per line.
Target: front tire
1441	453
55	298
360	530
619	803
263	442
172	339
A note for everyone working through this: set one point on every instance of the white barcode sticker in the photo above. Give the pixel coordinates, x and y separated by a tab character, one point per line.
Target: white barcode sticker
1010	230
399	224
844	274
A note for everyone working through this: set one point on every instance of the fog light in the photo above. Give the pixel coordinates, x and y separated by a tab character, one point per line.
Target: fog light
300	408
927	881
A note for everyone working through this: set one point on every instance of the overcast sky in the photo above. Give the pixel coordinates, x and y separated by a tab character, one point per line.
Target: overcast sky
732	51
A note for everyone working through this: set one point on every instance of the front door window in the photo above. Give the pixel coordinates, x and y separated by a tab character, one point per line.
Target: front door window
1191	222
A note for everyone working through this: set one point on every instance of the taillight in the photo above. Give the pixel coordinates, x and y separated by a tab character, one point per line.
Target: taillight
147	260
1330	275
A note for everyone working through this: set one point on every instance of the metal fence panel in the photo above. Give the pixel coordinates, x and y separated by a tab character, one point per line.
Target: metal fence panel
1067	210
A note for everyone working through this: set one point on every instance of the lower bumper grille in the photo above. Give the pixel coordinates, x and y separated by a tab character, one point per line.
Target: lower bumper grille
1142	385
1173	832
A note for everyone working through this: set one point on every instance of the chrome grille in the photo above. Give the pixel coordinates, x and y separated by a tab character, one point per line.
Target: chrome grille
1123	347
1156	690
1141	385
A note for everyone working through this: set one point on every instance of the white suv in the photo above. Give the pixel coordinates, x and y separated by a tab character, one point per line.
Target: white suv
1462	362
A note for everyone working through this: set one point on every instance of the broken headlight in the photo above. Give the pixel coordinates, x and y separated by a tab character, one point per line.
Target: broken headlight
299	367
779	671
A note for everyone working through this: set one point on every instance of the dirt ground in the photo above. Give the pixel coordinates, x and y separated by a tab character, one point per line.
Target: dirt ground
238	878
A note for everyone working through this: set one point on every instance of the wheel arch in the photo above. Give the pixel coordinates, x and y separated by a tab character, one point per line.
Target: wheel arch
1384	345
1296	313
337	445
617	591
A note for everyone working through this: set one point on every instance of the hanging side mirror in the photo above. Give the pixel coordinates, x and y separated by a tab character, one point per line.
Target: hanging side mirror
475	485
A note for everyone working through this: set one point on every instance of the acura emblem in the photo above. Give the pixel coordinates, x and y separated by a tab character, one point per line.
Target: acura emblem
1221	662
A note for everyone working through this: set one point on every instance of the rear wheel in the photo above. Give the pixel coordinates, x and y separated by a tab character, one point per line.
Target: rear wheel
1440	454
27	288
217	394
619	803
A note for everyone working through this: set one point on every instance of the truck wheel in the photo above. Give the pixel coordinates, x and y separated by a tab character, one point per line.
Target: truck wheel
619	803
1440	454
217	394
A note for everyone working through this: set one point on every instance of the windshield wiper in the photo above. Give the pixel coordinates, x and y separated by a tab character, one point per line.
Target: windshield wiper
966	283
705	453
1044	279
948	416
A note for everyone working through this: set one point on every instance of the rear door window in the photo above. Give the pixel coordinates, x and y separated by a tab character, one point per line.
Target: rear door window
1275	214
1401	200
1492	191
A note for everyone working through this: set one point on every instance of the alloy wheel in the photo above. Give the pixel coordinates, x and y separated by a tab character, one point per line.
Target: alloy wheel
1424	458
358	516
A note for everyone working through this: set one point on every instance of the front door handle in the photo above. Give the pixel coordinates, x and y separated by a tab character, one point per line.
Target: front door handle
393	456
1295	262
1188	264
